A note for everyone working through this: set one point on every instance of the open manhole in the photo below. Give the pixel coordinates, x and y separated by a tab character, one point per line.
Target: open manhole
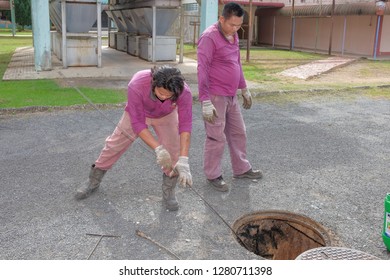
279	235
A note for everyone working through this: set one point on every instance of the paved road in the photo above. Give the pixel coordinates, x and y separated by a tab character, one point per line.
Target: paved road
326	157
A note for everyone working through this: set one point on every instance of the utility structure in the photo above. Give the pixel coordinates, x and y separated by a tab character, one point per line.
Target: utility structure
9	5
143	28
72	41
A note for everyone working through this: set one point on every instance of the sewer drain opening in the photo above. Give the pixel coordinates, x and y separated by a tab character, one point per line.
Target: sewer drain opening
279	235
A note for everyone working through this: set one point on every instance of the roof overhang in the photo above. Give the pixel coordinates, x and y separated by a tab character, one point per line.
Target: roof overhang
257	3
326	10
4	5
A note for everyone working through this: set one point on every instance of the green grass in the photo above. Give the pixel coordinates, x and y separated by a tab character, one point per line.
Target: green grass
8	32
17	94
48	93
263	64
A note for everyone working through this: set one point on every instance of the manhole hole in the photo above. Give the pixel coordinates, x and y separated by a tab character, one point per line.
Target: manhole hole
279	235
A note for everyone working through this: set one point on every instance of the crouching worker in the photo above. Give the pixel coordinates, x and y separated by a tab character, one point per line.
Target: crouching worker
157	98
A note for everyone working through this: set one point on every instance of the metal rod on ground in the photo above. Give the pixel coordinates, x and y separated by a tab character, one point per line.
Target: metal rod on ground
100	239
222	219
143	235
305	234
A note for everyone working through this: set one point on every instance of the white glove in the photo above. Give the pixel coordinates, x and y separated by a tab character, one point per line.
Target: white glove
208	111
246	95
163	157
183	169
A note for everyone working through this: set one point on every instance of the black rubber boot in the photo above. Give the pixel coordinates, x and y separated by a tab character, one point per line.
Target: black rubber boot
169	196
95	177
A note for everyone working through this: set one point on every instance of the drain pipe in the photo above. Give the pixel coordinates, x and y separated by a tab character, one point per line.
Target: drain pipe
273	32
344	34
380	7
378	26
331	28
292	25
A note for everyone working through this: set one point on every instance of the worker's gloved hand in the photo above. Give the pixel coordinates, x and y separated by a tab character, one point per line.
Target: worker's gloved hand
182	168
208	111
163	157
247	97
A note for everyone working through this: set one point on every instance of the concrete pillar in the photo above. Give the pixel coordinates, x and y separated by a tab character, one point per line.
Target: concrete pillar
13	19
209	14
41	34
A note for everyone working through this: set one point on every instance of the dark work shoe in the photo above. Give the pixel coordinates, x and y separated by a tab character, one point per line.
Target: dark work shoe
169	194
95	177
250	174
219	184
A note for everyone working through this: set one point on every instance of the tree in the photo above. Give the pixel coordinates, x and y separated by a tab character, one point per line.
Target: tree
22	12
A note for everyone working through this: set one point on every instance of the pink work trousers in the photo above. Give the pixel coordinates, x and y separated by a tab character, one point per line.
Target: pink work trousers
229	127
166	129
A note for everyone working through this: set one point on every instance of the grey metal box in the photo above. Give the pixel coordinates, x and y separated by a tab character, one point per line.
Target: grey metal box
82	51
133	45
165	48
121	41
112	40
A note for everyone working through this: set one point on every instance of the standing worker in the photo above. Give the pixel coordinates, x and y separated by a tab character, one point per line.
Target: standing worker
161	99
220	75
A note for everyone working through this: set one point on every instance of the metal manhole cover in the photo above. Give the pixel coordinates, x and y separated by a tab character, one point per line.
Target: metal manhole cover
335	253
279	235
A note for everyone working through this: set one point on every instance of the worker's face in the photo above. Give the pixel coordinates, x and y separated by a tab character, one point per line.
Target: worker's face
230	26
162	93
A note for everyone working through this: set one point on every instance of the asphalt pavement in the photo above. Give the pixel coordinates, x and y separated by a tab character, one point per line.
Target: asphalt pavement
324	157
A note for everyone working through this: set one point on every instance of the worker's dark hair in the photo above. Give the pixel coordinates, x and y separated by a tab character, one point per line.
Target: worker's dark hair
232	9
169	78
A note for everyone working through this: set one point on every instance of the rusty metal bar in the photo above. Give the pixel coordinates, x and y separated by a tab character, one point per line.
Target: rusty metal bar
100	239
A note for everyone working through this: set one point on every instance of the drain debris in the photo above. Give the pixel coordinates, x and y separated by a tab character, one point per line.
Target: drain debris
279	235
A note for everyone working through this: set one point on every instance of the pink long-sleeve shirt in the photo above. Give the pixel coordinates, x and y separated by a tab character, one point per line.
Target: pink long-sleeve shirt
141	105
219	64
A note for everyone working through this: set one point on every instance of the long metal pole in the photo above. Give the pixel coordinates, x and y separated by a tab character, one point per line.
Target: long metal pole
99	33
273	32
344	34
154	35
317	32
13	19
181	32
292	25
63	30
248	43
331	29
